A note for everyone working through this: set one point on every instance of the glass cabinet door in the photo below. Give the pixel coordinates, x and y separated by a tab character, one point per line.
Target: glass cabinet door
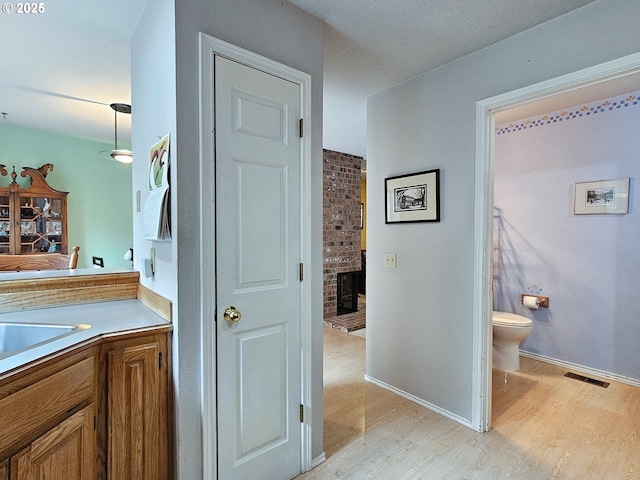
5	224
40	224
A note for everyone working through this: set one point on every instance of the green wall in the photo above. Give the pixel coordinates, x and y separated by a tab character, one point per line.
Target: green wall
100	193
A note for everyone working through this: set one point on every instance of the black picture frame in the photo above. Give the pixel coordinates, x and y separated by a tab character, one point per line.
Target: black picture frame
413	197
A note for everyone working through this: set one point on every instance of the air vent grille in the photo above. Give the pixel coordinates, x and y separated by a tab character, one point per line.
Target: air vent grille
582	378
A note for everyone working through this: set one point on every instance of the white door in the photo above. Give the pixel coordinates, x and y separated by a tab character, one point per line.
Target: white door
257	149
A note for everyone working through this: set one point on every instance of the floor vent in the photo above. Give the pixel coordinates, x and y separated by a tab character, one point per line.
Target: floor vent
582	378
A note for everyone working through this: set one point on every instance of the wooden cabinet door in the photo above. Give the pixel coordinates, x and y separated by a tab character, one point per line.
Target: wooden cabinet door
4	470
135	432
66	452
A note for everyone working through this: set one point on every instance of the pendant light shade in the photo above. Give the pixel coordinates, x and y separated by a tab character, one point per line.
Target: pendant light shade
120	155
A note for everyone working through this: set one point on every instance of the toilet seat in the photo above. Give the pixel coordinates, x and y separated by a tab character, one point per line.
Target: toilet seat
511	320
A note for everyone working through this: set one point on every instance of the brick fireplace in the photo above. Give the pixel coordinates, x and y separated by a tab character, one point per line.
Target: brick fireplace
341	219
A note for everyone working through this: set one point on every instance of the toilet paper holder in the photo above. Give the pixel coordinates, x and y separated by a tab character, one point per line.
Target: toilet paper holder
543	301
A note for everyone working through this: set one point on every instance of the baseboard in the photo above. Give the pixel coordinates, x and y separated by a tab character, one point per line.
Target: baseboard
591	372
421	402
318	460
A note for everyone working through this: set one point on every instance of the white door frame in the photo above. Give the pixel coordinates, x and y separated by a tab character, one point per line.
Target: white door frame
210	46
483	276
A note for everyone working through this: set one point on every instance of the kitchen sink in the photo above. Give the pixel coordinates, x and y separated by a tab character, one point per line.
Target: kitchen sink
16	337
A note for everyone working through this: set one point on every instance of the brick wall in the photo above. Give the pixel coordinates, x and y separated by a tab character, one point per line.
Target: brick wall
341	219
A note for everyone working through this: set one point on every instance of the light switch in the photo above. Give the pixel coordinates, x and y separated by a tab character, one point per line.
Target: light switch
390	260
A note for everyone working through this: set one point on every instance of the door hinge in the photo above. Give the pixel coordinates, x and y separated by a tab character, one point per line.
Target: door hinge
301	413
301	127
301	272
160	361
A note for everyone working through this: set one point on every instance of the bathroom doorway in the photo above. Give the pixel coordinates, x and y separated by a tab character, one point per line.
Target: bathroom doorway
547	96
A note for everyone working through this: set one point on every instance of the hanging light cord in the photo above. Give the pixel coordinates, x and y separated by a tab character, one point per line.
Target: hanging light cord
115	121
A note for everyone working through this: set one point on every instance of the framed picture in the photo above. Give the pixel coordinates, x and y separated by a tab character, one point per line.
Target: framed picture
605	196
413	198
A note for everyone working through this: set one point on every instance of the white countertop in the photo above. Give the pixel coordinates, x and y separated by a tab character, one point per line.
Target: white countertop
68	273
104	318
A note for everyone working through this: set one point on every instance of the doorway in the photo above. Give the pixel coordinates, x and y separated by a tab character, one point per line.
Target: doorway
296	397
342	217
588	80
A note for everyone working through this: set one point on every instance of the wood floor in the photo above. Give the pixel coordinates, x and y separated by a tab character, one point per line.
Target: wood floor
545	426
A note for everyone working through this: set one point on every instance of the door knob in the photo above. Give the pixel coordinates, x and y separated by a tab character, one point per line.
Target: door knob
231	314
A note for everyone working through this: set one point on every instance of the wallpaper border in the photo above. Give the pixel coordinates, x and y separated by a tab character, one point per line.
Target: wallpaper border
582	110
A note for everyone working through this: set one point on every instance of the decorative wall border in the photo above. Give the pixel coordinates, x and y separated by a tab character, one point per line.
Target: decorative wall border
583	110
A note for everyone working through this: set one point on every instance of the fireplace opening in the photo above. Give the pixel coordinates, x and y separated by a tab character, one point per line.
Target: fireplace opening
348	292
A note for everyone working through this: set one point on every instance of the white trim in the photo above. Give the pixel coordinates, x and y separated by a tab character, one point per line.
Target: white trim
207	272
419	401
592	372
210	46
318	460
307	462
573	81
483	278
482	294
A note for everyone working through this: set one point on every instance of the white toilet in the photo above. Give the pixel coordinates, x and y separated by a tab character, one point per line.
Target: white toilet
509	330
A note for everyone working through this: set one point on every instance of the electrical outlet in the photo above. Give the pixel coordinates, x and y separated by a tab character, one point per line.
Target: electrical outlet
390	260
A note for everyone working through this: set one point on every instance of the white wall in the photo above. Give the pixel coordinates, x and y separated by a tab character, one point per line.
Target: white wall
588	266
153	105
165	63
419	316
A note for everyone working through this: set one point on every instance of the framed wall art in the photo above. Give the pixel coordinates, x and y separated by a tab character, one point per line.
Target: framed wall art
413	198
604	196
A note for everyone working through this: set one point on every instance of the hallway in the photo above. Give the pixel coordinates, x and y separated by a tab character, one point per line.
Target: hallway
545	426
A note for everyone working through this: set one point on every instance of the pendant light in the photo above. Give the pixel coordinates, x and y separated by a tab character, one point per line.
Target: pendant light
120	155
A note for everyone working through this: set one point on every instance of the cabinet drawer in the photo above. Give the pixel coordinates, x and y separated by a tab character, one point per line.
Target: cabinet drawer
30	409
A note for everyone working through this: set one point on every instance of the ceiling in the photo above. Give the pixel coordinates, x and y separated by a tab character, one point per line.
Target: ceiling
372	45
61	69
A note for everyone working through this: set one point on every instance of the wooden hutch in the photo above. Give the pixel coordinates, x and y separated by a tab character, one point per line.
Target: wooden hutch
33	219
